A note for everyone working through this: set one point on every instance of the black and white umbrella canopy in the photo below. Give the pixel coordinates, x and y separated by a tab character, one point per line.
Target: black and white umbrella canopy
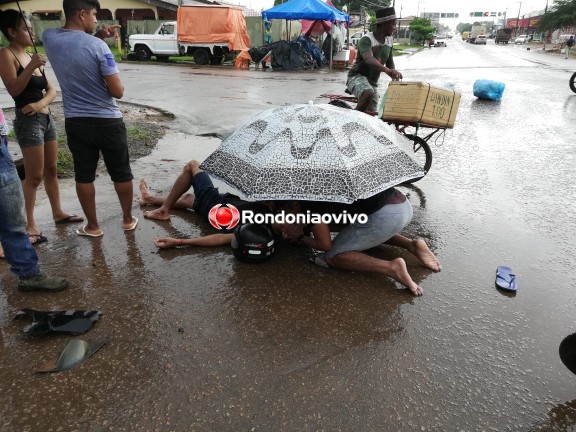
313	152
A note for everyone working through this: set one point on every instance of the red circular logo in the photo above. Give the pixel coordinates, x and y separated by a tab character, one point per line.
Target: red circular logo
223	216
226	216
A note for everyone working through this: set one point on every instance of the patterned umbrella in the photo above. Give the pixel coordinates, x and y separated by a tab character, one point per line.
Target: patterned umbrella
313	152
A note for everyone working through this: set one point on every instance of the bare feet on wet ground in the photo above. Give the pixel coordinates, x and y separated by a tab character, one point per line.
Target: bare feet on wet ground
146	198
399	272
421	251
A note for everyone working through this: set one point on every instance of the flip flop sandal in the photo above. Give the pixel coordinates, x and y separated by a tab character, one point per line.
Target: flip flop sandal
37	238
73	218
505	279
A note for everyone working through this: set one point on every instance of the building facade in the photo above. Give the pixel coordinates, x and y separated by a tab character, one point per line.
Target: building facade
121	10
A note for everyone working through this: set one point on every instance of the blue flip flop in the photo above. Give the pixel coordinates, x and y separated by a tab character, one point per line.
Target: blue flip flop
505	279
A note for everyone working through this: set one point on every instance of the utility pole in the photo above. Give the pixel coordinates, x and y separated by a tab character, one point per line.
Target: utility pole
418	12
518	19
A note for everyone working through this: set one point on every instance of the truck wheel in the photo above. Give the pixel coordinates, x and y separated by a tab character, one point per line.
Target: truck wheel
202	56
143	53
218	56
182	50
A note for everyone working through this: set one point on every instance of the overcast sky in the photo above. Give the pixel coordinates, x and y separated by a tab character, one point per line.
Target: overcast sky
463	7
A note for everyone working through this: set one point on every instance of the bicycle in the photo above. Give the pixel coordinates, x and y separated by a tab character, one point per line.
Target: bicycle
572	82
422	150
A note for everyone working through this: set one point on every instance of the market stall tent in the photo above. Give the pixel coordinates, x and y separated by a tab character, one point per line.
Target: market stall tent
307	10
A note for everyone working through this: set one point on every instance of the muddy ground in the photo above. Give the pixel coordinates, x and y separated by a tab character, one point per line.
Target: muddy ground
144	125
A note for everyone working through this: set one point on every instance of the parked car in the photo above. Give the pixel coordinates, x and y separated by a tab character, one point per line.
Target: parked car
480	40
439	41
355	38
522	39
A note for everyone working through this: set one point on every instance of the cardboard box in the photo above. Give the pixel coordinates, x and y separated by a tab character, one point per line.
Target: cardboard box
418	102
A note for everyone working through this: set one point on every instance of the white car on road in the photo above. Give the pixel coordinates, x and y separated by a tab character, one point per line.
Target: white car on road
355	38
522	39
480	40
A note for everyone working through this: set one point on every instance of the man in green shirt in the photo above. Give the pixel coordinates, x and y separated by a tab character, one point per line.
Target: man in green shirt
374	57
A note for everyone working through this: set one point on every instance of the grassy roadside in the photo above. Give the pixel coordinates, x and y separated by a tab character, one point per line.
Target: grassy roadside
400	50
117	54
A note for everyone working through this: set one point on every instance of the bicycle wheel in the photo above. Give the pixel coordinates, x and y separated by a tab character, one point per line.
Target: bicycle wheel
422	153
573	82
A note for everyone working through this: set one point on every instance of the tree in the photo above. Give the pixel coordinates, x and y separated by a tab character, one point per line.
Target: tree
464	27
562	15
422	29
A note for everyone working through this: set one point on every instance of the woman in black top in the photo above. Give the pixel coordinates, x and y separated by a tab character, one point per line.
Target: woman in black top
25	80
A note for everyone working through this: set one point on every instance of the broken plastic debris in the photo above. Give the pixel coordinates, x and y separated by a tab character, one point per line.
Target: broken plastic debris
74	322
74	354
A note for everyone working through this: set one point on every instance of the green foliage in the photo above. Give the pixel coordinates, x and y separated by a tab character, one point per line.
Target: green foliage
136	134
422	29
464	27
561	15
113	49
64	163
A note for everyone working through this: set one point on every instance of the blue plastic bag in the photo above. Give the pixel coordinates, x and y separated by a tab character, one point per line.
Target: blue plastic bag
488	89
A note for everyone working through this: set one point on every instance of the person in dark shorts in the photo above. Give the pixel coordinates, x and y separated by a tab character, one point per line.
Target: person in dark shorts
24	78
90	83
204	198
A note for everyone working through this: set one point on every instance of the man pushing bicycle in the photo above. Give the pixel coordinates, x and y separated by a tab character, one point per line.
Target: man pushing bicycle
374	57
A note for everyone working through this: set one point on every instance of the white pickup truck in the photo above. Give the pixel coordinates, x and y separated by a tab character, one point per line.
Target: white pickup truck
207	32
164	43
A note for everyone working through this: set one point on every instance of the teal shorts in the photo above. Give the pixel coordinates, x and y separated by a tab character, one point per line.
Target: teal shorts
358	84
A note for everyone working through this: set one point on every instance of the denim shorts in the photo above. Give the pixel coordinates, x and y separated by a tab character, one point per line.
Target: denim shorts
206	195
358	84
382	225
88	136
34	130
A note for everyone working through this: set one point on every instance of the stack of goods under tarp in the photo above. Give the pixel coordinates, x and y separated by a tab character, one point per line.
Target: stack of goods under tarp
299	54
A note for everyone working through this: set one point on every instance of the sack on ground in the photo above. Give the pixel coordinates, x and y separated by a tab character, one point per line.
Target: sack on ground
488	89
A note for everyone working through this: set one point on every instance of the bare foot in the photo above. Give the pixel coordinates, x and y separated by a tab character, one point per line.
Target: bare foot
157	214
424	254
399	272
145	197
2	253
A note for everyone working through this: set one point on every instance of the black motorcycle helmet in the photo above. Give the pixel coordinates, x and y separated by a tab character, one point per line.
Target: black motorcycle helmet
253	243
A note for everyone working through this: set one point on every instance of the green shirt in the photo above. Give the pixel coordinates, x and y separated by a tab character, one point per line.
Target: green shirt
381	52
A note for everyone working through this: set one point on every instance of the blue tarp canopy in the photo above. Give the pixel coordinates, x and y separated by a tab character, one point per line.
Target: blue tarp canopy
305	9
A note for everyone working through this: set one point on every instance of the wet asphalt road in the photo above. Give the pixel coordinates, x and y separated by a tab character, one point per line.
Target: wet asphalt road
198	341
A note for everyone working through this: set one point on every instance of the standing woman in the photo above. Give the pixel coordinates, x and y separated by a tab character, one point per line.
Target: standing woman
26	82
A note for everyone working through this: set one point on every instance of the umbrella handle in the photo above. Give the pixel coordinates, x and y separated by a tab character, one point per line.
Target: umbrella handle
30	33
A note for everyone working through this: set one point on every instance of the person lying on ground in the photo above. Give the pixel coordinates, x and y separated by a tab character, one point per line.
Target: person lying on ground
250	242
212	240
204	198
387	214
